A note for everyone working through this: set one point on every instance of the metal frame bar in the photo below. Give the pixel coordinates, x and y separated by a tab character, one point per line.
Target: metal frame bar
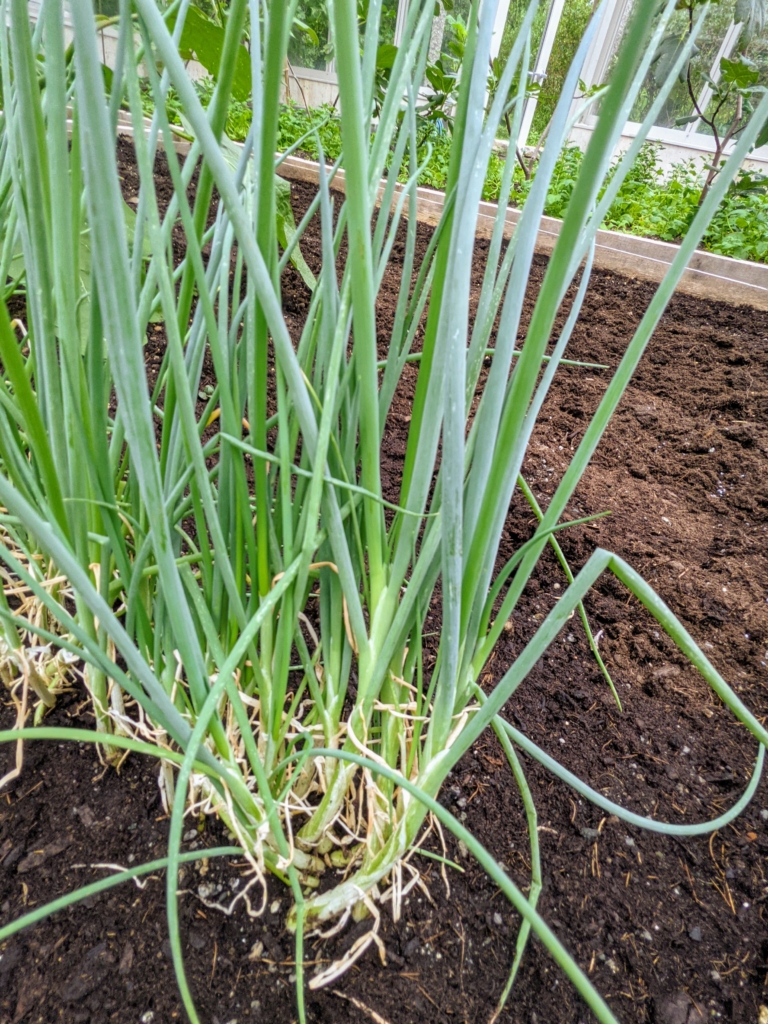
402	15
539	72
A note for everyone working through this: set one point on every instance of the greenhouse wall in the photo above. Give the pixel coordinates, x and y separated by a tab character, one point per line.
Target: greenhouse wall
310	87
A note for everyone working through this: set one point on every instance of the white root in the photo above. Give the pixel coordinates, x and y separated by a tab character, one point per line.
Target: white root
341	966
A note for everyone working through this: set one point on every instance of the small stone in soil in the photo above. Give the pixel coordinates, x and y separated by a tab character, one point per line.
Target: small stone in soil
677	1009
196	939
85	814
13	856
126	960
37	857
89	974
695	934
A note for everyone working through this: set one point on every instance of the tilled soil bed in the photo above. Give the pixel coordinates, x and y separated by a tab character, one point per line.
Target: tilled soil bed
671	931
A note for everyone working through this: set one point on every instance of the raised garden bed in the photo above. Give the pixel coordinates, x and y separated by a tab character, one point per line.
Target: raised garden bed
669	930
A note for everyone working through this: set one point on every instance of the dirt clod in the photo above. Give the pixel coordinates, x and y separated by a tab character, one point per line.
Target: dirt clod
678	1009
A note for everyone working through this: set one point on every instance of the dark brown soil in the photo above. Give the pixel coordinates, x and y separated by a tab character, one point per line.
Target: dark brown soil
671	931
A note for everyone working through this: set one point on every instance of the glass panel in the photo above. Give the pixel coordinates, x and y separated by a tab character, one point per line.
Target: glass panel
680	103
460	12
515	15
309	48
312	49
388	19
573	23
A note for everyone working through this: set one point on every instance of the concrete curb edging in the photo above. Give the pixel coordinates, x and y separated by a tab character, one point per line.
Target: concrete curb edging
708	276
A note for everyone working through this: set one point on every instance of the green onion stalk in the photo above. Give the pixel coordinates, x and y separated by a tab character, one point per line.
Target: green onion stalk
250	600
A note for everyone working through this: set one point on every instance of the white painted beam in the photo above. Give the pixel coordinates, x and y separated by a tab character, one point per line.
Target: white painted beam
539	73
499	25
400	21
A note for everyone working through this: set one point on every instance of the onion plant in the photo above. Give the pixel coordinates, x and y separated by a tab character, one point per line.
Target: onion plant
249	604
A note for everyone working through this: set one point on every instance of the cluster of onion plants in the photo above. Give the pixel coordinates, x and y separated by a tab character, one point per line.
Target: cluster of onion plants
248	605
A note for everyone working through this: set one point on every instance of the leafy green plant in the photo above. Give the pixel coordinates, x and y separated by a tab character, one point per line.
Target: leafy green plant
203	40
311	44
656	202
251	605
